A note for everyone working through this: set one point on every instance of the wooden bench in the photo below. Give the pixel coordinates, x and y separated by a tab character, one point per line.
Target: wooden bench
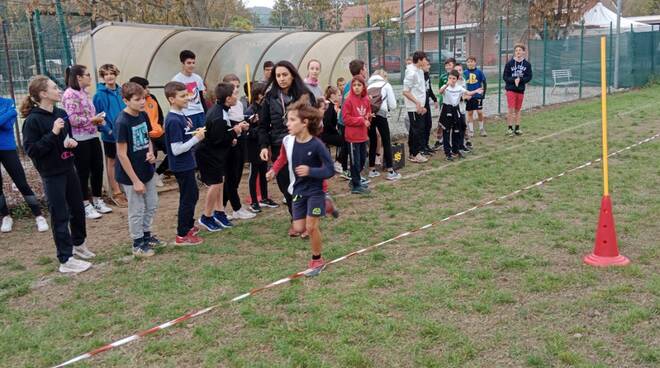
563	78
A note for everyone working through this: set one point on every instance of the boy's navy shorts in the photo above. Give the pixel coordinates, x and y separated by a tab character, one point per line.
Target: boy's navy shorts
312	206
474	104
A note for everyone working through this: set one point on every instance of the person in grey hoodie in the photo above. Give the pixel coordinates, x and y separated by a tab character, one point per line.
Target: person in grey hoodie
378	84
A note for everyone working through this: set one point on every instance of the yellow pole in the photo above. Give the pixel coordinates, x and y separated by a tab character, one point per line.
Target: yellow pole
603	98
247	79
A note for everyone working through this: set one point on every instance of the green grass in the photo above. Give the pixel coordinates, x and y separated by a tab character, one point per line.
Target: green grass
500	286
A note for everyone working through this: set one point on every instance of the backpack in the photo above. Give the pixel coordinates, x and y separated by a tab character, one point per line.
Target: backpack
375	98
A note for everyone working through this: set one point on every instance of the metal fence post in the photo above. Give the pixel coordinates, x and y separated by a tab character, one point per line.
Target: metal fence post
402	45
65	37
369	43
33	42
10	78
609	57
40	41
652	48
499	68
545	55
440	61
581	56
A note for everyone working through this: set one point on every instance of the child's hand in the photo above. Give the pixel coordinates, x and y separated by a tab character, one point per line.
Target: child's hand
58	125
302	170
234	142
367	123
270	175
244	125
200	134
151	158
264	154
98	120
70	143
139	187
480	91
517	81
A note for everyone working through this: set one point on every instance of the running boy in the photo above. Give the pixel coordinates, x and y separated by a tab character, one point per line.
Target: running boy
517	73
310	163
475	78
195	86
134	169
180	141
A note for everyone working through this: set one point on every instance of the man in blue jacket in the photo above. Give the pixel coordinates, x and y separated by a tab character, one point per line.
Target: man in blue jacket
108	100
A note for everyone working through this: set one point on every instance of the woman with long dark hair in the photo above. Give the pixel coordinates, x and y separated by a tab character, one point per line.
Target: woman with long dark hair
286	87
88	155
47	141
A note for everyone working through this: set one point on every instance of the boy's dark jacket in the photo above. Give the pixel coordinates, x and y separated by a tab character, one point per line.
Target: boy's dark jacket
514	69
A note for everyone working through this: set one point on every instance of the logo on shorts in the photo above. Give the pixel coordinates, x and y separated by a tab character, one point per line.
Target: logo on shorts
316	211
309	153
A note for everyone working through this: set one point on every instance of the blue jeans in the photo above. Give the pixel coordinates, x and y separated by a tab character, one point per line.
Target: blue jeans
198	120
358	158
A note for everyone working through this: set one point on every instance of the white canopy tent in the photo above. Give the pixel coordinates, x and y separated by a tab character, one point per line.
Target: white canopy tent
601	17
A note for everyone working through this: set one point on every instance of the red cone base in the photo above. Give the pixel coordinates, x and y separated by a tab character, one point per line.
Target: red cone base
606	251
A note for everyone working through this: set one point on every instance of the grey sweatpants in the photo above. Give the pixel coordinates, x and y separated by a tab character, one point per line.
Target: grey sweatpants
141	208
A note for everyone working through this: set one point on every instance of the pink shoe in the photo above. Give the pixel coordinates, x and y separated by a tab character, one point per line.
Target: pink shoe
317	265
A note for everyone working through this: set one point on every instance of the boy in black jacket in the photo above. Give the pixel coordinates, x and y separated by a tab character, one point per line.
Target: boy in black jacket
517	73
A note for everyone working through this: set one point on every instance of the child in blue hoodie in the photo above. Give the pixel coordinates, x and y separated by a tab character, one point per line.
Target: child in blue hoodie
108	100
11	163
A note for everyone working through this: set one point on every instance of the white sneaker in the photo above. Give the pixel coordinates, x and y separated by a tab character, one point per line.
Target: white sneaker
244	214
42	225
373	173
91	213
159	180
7	224
73	265
419	158
100	206
338	168
83	252
393	175
482	132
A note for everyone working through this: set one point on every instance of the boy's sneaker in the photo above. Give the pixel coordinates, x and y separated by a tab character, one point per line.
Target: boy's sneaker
468	145
153	242
100	206
91	213
83	252
7	224
360	190
346	175
188	239
509	132
517	132
437	146
315	266
159	180
268	203
222	220
364	181
373	173
482	132
419	158
73	265
393	175
142	251
330	206
254	207
243	214
449	158
338	168
209	223
42	225
195	230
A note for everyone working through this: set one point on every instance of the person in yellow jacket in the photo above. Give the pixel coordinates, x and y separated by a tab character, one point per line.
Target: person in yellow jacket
157	133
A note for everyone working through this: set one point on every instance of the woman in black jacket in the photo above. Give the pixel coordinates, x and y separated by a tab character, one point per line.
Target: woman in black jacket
286	87
47	141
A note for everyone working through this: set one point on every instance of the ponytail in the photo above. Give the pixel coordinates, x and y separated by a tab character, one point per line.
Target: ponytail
38	84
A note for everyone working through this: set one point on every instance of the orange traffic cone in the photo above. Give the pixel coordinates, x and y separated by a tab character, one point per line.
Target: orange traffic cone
606	251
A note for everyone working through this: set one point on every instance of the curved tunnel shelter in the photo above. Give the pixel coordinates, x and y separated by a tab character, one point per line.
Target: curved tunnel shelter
152	52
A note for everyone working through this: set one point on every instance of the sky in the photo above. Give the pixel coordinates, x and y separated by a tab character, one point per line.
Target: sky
251	3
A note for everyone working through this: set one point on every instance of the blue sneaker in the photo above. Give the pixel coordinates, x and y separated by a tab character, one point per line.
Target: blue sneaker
222	220
209	223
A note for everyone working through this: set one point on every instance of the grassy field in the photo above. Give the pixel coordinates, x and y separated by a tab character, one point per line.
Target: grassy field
503	286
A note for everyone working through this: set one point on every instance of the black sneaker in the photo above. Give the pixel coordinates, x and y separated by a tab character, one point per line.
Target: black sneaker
153	242
517	132
468	145
254	207
509	132
268	203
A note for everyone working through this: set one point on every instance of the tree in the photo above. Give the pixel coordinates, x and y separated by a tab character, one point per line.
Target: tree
309	14
560	16
632	8
281	14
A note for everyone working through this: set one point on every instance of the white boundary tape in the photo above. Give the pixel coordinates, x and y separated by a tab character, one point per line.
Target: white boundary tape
297	275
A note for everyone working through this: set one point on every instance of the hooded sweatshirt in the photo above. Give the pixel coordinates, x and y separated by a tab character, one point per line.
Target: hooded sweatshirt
386	91
80	110
112	103
354	111
517	68
7	119
46	149
414	82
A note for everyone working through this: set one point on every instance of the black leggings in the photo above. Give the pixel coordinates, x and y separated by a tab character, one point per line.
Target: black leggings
233	173
258	169
160	145
282	177
88	158
11	162
67	214
342	148
383	127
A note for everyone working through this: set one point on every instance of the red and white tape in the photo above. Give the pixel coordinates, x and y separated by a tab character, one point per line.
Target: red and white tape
300	274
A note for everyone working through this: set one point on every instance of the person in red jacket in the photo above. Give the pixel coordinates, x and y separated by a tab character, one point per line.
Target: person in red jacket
356	113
